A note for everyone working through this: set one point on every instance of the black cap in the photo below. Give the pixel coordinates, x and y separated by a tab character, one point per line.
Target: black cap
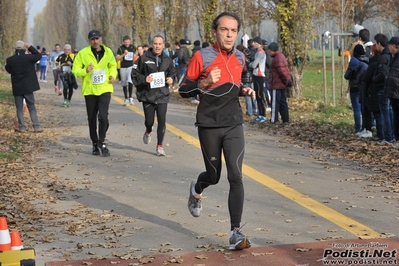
182	41
94	34
273	47
394	40
257	39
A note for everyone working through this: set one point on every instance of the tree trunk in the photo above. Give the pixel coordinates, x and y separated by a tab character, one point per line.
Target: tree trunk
295	90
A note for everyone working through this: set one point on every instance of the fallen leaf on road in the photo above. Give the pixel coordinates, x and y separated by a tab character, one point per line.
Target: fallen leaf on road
303	249
201	257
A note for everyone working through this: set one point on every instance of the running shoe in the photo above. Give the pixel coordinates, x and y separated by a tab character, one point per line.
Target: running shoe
146	138
131	102
160	151
260	119
126	102
238	241
194	204
387	142
96	150
104	150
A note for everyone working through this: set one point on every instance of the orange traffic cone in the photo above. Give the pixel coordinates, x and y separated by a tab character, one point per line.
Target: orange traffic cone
16	242
5	240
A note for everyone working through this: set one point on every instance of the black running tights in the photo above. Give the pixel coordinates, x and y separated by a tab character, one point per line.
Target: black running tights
149	116
231	141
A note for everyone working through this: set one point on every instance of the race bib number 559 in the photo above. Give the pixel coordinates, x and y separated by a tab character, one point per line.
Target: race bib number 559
158	80
98	76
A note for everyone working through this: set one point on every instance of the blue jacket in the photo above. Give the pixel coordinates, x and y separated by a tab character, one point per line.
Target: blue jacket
44	60
355	72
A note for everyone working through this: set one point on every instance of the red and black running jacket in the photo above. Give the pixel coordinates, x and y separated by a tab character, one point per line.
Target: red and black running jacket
219	105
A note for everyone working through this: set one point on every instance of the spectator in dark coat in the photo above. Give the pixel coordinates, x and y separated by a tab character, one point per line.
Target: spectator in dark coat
392	83
371	93
182	56
279	78
354	73
24	81
380	73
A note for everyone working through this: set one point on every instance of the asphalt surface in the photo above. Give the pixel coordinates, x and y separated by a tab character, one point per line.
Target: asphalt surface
133	204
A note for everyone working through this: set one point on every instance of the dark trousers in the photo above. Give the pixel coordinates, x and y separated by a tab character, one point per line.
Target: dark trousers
97	106
367	115
125	90
68	90
231	141
395	110
149	116
279	106
386	115
379	124
259	84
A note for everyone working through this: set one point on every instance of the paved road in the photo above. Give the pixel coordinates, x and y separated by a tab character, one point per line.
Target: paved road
134	203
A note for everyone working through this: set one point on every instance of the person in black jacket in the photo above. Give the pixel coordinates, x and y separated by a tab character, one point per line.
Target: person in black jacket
392	83
379	80
183	57
370	96
24	81
152	77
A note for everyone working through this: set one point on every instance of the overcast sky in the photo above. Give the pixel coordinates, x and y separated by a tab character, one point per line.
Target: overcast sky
35	7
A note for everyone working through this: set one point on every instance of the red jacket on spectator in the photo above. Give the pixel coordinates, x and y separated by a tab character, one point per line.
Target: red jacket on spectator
279	72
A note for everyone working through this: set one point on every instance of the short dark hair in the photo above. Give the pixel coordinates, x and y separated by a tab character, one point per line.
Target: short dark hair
215	22
197	43
126	38
364	34
205	44
381	39
158	36
240	47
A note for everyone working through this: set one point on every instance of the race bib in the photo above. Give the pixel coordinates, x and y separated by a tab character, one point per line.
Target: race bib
158	80
66	69
98	76
129	56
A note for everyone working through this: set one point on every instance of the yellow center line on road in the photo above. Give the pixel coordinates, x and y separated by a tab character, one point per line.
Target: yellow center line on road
358	229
